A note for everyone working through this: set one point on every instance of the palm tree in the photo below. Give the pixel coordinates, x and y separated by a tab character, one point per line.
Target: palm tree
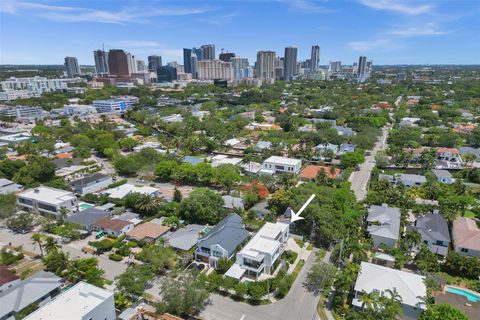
148	204
412	238
37	239
63	213
428	159
370	300
51	244
287	180
394	295
359	251
469	158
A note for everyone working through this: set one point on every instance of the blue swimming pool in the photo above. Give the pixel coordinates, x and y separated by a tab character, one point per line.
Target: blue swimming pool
469	295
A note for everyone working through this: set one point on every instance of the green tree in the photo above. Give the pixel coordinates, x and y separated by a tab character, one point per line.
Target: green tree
21	221
85	269
134	280
39	170
8	205
287	180
177	195
202	206
280	201
227	175
319	276
56	262
426	260
38	240
127	143
351	159
442	311
165	169
51	244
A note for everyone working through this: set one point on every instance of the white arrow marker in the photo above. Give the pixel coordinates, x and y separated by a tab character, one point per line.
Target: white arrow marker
296	216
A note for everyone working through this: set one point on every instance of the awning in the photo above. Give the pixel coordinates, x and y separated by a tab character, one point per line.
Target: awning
235	272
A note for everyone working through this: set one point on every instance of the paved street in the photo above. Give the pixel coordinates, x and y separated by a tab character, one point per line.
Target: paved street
359	179
112	268
299	304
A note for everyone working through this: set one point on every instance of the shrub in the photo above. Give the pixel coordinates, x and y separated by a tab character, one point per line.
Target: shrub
132	244
117	183
290	256
300	243
115	257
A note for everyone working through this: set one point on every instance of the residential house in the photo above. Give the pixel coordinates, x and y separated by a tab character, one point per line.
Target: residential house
384	225
408	122
7	186
408	180
450	155
261	254
39	289
470	150
344	131
434	231
232	203
466	237
409	286
148	232
443	176
121	191
310	173
87	218
113	226
90	183
326	148
282	165
346	147
262	146
221	241
83	301
47	200
252	168
221	159
185	238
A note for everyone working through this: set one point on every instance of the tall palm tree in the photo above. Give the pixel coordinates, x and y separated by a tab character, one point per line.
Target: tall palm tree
63	213
370	300
51	244
37	239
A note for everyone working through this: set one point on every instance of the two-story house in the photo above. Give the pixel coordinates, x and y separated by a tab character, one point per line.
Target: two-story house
282	165
466	237
261	254
91	183
221	241
47	200
384	225
434	231
452	155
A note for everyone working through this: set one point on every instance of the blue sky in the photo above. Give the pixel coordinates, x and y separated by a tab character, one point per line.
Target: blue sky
386	31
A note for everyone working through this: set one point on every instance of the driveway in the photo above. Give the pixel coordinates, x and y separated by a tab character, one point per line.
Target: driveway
299	304
359	179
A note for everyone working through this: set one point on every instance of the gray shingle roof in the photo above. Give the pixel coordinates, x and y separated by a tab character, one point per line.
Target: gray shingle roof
184	238
441	173
228	233
88	179
433	227
388	219
87	217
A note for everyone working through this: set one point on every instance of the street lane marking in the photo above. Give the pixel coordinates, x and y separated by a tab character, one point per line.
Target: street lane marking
243	317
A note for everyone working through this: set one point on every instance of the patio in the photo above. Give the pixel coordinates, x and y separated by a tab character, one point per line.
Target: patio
471	309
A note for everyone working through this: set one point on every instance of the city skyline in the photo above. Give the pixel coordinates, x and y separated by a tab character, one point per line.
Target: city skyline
390	32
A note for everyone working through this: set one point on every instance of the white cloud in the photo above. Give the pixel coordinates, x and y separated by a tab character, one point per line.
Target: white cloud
378	45
220	20
307	6
136	43
429	29
400	6
79	14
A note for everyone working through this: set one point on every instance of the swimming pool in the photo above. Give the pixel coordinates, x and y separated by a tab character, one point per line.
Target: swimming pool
469	295
83	205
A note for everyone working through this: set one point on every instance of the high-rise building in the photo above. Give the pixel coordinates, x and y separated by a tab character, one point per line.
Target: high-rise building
198	53
141	67
154	62
290	64
334	67
214	69
166	73
208	52
71	64
315	59
362	69
194	66
226	56
187	60
132	63
101	62
118	63
239	66
265	66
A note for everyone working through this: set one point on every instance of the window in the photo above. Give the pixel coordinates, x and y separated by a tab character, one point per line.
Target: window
464	250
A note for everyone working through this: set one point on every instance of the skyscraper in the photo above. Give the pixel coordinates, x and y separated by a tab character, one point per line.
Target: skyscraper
166	73
239	66
194	66
198	53
101	62
334	67
226	56
118	63
154	62
187	60
71	64
265	66
214	69
290	64
362	69
132	63
315	59
208	52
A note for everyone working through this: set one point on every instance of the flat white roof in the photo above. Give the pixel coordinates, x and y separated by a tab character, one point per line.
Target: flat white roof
121	191
48	195
284	161
73	303
235	271
264	241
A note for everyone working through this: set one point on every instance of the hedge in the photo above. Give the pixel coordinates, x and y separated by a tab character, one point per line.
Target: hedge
115	257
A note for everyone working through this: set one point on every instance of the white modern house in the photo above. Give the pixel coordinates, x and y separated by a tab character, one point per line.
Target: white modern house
261	254
83	301
121	191
91	183
47	200
409	286
278	164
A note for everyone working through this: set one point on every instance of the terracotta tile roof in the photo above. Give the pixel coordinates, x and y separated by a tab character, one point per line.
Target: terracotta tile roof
6	275
64	155
311	172
147	230
449	150
111	224
466	233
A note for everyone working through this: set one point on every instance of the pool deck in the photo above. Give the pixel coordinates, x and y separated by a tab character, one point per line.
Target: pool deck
460	303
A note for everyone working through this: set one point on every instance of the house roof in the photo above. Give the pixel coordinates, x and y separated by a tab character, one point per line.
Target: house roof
412	177
433	227
66	162
185	238
88	179
147	230
448	150
121	191
88	216
232	202
465	150
311	172
6	275
283	160
264	242
466	234
409	286
108	223
48	195
24	292
441	173
228	233
388	219
7	186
